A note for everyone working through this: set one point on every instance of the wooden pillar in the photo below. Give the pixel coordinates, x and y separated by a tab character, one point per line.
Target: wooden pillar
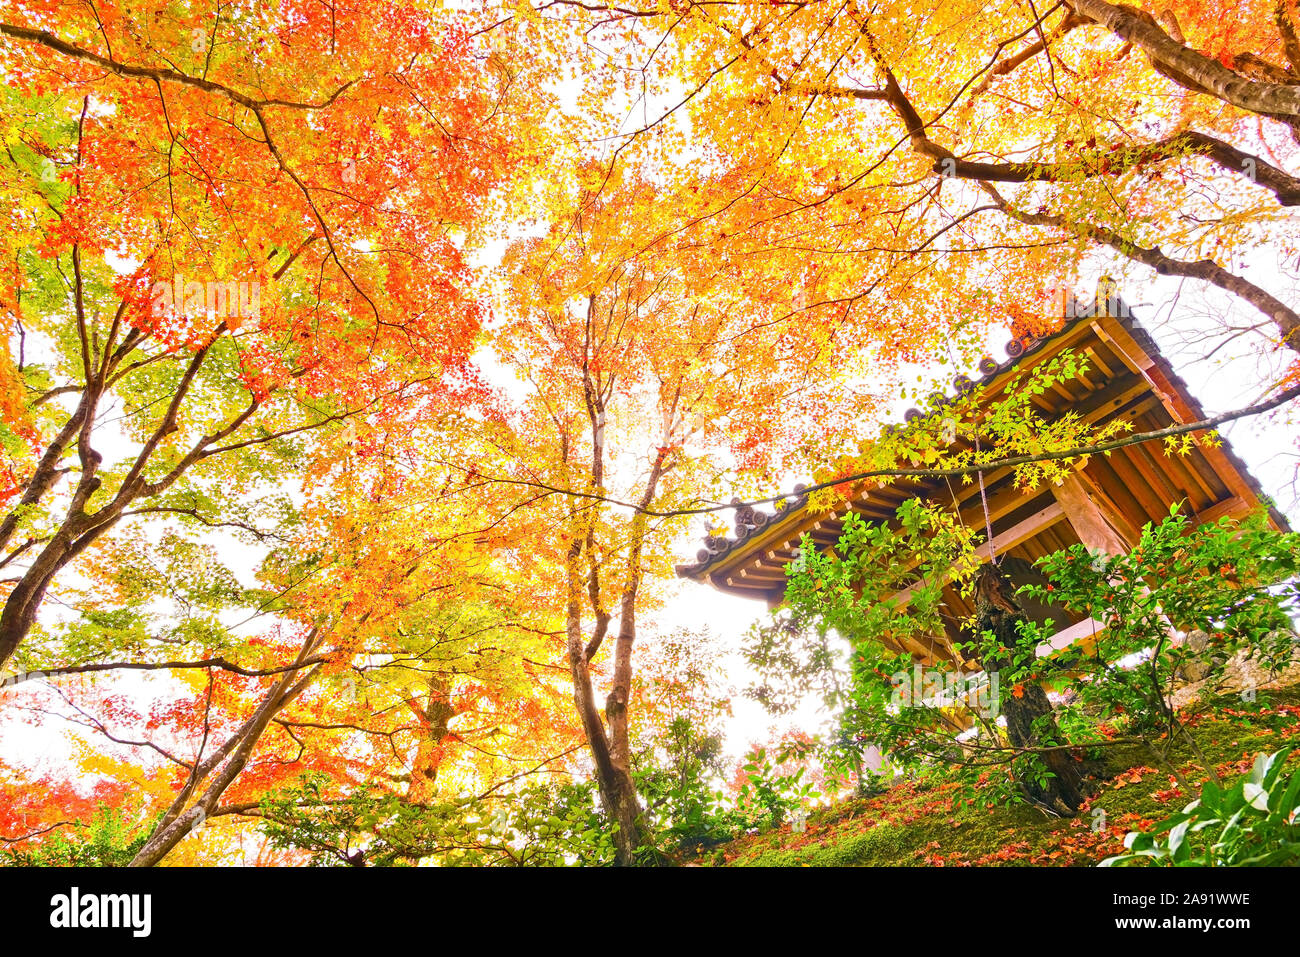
1097	532
1087	518
1094	529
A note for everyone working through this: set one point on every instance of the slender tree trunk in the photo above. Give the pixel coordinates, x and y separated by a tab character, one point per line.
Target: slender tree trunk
607	737
435	717
178	823
1029	714
614	780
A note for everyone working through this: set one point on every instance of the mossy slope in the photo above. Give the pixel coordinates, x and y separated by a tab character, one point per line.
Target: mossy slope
915	824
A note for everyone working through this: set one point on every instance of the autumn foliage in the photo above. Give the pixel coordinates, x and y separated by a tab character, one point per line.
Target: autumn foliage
367	365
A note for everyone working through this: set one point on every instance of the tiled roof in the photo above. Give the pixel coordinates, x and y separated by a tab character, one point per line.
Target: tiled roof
750	520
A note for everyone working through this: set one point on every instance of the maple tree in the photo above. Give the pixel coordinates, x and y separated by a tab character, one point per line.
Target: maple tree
848	177
973	156
426	671
645	361
186	183
268	265
236	251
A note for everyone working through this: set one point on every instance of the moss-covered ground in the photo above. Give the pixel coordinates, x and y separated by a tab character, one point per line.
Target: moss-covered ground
931	824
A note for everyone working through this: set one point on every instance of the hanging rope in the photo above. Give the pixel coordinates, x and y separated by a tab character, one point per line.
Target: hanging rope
994	558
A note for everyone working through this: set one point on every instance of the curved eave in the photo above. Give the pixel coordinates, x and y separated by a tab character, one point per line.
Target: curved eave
728	563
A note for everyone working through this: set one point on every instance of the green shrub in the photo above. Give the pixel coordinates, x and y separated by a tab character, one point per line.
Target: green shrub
1254	823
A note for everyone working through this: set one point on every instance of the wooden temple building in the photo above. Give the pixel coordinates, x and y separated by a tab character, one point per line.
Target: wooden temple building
1104	504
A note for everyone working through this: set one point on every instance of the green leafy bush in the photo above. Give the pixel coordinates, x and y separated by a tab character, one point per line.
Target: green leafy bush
1253	823
769	794
1231	585
684	804
1187	601
539	826
110	839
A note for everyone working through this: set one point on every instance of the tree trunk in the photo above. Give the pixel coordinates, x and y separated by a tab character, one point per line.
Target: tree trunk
1027	711
178	823
1188	66
435	717
622	805
617	792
